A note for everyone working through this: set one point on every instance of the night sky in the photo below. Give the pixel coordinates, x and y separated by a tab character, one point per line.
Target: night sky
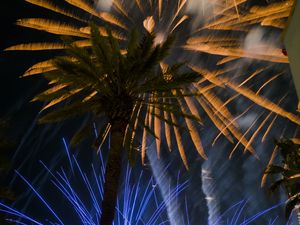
44	142
13	64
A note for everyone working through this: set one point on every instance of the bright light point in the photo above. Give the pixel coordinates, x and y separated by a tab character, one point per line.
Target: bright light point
205	171
209	198
103	4
149	24
159	39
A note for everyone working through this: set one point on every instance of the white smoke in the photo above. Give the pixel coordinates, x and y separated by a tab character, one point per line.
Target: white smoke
254	38
259	41
201	9
246	121
208	188
157	166
104	5
200	6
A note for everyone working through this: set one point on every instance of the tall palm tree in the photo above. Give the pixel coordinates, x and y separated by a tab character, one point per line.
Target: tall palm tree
125	88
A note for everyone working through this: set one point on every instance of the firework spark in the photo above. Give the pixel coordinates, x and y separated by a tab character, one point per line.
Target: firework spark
140	202
163	17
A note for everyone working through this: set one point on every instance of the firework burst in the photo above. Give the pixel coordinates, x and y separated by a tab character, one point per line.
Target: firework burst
81	192
218	43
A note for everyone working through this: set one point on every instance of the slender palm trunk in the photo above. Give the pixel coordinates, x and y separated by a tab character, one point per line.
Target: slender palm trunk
112	174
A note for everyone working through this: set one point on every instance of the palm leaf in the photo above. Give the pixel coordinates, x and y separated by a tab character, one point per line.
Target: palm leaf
36	47
81	134
289	207
102	49
133	43
157	129
83	5
276	185
144	137
271	169
110	18
41	67
193	132
167	129
51	26
179	142
49	5
68	112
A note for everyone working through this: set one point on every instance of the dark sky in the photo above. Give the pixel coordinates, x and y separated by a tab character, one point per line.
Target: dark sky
9	68
13	64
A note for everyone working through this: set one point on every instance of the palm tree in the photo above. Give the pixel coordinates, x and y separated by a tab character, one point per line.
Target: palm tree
125	88
289	172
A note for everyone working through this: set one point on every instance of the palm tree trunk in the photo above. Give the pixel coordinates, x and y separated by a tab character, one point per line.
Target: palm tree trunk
112	174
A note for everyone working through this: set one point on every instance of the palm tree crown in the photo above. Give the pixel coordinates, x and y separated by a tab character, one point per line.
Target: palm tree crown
126	88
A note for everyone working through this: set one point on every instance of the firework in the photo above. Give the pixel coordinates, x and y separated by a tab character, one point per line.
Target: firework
220	40
138	202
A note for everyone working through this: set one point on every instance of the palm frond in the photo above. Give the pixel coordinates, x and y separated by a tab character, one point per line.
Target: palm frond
51	93
36	47
167	129
51	6
290	206
81	134
271	169
133	43
179	142
62	98
85	6
144	137
102	49
110	18
157	129
118	5
51	26
193	132
69	111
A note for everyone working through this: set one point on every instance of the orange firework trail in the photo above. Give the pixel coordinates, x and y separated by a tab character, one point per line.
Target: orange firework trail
221	39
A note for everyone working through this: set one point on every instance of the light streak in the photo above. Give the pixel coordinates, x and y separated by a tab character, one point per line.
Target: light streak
165	17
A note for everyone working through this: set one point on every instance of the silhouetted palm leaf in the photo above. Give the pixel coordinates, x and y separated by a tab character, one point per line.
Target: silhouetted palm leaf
289	172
